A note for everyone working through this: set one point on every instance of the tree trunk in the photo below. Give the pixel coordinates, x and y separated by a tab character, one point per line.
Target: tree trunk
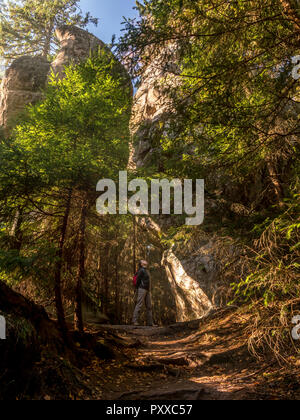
134	245
99	281
106	274
48	40
117	292
16	232
57	276
78	320
105	255
275	183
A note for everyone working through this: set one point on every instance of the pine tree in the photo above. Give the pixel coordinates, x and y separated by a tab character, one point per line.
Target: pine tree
28	26
51	166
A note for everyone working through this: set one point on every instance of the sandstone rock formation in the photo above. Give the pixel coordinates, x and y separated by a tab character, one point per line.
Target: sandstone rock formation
26	78
76	45
190	295
22	85
152	106
193	277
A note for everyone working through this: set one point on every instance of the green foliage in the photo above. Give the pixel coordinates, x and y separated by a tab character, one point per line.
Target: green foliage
80	131
76	136
276	267
233	120
28	26
272	286
229	86
234	116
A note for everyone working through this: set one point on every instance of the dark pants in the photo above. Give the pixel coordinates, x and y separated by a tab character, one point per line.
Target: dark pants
143	296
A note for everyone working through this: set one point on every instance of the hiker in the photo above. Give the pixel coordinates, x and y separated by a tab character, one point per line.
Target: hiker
143	285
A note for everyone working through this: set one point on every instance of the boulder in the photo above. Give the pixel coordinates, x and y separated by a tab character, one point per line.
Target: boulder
23	84
76	46
27	76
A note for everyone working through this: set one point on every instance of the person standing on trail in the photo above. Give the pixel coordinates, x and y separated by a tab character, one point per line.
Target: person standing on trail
143	285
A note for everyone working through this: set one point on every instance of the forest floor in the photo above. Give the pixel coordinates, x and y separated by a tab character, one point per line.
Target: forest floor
203	361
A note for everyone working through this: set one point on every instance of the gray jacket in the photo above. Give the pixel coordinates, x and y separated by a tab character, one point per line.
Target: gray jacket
143	279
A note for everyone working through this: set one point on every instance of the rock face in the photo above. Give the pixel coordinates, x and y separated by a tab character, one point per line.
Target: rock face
191	300
193	269
201	271
152	106
151	113
76	45
26	78
22	85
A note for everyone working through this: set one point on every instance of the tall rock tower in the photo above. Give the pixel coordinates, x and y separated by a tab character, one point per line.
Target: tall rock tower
75	46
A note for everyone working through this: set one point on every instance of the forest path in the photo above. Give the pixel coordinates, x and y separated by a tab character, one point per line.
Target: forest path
206	360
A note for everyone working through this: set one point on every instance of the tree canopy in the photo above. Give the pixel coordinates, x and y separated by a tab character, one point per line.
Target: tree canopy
27	27
218	99
77	135
235	63
233	119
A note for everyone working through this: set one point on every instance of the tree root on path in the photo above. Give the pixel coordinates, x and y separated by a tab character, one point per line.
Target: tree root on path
190	394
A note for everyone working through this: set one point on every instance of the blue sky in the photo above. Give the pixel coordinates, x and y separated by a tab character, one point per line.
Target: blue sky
110	14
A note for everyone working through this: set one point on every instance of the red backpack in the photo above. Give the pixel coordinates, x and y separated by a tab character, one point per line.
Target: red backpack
134	280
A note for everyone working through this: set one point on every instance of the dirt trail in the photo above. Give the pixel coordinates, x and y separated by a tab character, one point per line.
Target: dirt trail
206	360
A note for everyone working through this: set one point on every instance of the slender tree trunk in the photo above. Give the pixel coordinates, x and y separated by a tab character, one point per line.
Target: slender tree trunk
99	278
48	40
78	320
117	292
57	276
105	275
134	245
102	278
16	232
276	183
